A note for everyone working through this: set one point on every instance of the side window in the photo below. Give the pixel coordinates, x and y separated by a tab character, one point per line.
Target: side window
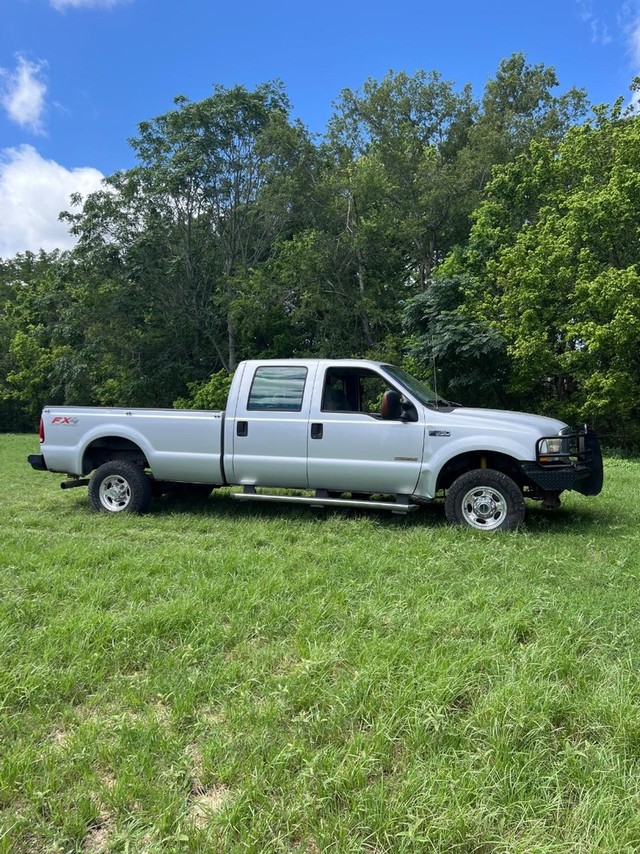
277	388
372	388
335	395
353	390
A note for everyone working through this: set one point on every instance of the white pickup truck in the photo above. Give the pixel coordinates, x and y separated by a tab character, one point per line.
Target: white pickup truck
349	432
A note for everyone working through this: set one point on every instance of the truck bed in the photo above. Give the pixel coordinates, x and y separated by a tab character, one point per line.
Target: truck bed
179	444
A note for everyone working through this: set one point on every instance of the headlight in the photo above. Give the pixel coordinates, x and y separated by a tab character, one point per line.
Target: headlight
551	447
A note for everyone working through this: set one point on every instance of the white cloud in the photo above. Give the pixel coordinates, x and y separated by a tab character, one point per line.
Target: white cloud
60	5
633	37
22	93
599	30
629	22
33	191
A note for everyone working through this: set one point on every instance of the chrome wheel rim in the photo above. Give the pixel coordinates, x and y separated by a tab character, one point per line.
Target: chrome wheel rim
485	508
115	493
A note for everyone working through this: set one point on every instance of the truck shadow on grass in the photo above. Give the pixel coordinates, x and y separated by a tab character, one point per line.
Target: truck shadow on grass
579	520
576	520
222	505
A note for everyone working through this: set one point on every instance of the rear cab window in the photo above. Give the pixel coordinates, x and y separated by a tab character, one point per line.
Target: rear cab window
277	389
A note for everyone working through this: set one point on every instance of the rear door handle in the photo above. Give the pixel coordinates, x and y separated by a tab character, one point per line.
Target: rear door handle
242	428
316	431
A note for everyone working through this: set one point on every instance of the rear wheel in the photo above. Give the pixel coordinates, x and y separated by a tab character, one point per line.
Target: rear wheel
120	487
485	500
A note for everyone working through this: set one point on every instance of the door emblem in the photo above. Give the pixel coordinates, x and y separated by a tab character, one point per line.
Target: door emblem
443	433
405	459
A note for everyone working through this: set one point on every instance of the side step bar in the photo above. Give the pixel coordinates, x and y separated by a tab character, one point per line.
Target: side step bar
401	505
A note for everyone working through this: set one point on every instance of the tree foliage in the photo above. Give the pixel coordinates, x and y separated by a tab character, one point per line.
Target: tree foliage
209	395
467	356
495	236
553	259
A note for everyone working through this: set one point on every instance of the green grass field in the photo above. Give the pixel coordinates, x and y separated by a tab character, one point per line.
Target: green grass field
222	677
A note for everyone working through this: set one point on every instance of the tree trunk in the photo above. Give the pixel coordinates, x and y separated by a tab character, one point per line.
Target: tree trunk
366	326
231	333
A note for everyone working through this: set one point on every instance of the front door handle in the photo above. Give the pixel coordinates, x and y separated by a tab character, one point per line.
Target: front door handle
242	428
316	431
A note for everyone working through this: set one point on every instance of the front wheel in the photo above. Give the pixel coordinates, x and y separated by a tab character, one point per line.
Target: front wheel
120	487
486	500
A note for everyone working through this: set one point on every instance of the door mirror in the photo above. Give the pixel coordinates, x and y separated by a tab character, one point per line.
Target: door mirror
408	412
391	407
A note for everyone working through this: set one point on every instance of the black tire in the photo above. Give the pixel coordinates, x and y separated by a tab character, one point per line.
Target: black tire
120	487
485	500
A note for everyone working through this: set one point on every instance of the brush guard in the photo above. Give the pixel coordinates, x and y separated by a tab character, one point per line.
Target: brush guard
578	467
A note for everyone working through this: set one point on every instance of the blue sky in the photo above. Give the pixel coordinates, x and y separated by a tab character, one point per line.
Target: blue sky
76	76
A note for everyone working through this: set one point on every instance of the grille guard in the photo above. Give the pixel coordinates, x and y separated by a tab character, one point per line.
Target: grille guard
584	456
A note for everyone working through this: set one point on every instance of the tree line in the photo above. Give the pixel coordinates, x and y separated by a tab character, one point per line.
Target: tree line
489	244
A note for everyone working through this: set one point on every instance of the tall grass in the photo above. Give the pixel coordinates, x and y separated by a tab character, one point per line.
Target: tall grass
227	677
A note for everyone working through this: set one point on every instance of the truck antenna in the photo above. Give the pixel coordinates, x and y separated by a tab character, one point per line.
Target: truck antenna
433	360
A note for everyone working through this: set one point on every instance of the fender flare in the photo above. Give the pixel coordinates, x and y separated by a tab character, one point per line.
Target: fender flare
432	467
117	431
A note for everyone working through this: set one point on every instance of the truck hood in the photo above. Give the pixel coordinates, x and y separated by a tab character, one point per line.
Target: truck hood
524	421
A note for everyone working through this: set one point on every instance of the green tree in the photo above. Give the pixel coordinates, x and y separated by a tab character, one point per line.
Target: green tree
212	394
467	355
413	129
30	303
436	146
236	236
553	259
218	182
519	105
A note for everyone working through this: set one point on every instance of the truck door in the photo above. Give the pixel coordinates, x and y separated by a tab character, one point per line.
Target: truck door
351	446
271	424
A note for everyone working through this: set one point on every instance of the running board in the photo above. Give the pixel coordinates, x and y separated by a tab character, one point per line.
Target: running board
402	506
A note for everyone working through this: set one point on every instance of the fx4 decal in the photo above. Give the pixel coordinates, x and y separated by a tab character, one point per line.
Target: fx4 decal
65	420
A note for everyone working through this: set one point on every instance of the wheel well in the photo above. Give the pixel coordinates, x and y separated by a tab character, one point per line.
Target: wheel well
108	448
456	466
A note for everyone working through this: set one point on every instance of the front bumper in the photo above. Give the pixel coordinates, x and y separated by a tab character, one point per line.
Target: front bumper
581	469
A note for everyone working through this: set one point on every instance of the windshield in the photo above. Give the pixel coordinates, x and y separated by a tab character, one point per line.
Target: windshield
417	388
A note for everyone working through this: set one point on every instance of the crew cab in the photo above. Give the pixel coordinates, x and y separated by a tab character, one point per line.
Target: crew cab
343	433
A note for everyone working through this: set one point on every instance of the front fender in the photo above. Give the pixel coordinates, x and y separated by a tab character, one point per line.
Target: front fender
436	461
